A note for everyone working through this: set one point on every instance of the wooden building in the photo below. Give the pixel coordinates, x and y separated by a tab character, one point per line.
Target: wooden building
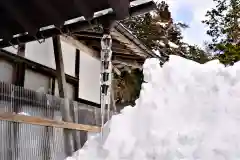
35	68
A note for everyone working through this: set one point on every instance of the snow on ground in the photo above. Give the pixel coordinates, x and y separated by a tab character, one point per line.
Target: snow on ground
186	111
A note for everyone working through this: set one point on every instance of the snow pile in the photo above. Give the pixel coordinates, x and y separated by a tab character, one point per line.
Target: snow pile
186	111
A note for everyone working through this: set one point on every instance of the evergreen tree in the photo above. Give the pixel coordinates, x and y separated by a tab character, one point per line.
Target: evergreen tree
224	28
197	54
158	31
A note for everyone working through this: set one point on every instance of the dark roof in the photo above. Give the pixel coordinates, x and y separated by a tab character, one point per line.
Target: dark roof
30	15
21	16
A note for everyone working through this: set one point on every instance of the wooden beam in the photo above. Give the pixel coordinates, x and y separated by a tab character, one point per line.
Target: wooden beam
18	80
13	117
16	59
89	35
115	43
62	85
19	74
76	135
77	69
126	63
128	43
127	57
19	69
21	50
117	48
89	103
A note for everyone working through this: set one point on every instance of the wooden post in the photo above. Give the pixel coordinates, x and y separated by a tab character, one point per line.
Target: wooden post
80	137
19	70
83	118
77	69
21	50
18	80
62	85
75	110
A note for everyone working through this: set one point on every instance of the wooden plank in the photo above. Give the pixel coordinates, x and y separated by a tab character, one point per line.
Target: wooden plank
13	117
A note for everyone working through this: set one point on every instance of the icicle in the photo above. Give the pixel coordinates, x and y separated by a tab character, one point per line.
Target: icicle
106	74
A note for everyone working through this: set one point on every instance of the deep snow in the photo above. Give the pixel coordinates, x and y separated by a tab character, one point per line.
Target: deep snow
186	111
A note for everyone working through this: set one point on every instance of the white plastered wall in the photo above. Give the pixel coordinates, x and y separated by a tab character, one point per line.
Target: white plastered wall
89	85
6	71
43	54
89	72
11	49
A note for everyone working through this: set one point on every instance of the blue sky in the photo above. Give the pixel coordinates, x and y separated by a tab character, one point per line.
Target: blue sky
184	13
192	12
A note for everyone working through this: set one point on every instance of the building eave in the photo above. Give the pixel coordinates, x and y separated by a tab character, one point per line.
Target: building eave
49	31
123	30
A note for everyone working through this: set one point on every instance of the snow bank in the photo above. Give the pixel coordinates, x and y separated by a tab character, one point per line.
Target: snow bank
186	111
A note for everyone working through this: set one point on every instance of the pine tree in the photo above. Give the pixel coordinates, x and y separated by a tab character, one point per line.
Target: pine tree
158	31
224	28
